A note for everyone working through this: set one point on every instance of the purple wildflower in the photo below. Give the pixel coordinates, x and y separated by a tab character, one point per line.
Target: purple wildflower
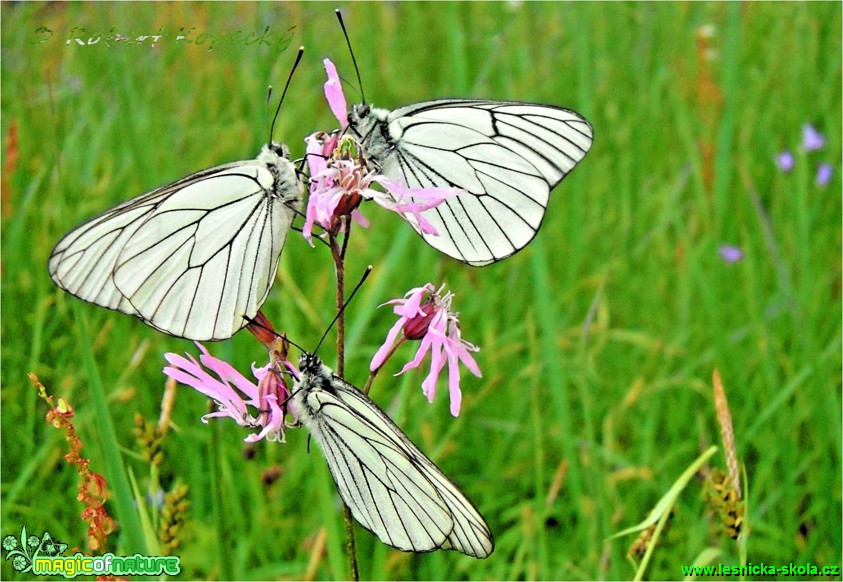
731	254
785	161
824	173
268	397
340	179
425	314
343	182
812	140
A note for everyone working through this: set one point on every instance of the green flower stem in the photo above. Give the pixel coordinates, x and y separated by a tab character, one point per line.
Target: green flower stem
338	254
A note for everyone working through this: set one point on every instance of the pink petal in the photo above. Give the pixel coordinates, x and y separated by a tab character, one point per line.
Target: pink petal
289	365
412	306
437	362
274	425
454	384
316	161
199	379
227	372
334	94
309	221
423	198
182	362
192	381
420	354
438	325
331	143
425	227
380	355
259	373
224	414
359	218
468	360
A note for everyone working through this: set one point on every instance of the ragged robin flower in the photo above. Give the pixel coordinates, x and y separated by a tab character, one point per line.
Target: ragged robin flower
340	178
236	394
425	315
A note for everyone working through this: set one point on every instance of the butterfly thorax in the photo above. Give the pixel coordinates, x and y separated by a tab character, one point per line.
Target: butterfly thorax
315	378
370	127
286	182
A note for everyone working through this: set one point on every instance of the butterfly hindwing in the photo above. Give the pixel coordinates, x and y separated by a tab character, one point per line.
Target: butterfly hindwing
391	487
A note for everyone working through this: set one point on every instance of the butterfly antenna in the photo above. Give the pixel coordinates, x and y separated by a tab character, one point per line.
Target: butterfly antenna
284	92
344	305
266	108
353	60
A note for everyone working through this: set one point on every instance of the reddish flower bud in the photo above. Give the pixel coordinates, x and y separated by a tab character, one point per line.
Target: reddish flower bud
416	327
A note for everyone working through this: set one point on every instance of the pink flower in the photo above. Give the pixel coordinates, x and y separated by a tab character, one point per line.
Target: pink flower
340	184
425	314
230	387
334	94
319	147
340	178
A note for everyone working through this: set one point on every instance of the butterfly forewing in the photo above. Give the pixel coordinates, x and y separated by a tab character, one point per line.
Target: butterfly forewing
506	156
83	261
391	487
190	259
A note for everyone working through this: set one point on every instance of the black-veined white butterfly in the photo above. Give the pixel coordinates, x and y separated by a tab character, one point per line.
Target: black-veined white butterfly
390	486
191	258
506	155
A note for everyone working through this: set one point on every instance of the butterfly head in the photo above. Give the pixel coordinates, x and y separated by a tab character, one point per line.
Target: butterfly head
369	127
314	374
279	149
310	363
361	111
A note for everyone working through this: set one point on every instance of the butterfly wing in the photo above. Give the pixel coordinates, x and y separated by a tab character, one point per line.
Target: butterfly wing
391	487
507	156
190	259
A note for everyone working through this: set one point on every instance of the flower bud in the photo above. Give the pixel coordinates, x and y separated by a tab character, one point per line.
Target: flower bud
416	327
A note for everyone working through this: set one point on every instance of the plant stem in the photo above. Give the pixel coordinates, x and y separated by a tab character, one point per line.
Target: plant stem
338	254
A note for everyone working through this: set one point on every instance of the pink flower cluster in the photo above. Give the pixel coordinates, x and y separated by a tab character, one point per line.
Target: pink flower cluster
229	387
425	314
340	178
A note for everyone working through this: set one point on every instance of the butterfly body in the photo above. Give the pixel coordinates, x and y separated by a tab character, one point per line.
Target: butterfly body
391	487
505	155
190	258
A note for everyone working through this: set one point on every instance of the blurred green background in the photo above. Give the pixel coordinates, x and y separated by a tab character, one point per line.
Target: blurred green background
598	341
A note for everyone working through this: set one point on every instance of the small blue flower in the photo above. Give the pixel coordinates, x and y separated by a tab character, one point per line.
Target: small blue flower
156	501
785	161
812	140
824	173
730	254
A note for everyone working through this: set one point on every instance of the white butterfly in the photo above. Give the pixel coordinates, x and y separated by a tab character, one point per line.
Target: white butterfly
191	258
506	155
391	487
